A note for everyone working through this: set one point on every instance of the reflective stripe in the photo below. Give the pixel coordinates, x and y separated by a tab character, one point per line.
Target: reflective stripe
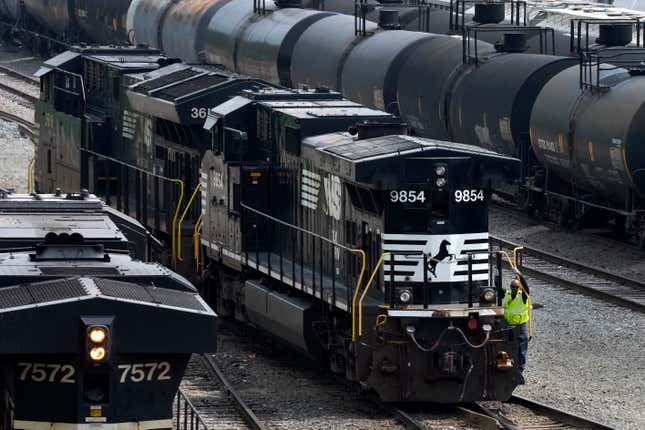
141	425
516	311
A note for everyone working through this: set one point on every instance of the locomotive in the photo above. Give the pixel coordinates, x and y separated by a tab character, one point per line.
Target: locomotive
253	138
91	335
365	249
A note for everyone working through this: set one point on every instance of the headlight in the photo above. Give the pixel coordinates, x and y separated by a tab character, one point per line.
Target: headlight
440	170
441	182
405	296
488	296
97	353
97	335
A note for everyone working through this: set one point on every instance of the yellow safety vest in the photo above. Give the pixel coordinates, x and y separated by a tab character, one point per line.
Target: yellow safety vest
516	311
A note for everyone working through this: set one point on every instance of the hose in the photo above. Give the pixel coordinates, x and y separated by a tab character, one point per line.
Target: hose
411	330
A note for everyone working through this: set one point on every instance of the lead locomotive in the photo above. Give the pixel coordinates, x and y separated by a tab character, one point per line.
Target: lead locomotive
369	250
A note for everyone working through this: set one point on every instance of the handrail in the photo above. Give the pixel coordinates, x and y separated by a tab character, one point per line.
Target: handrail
196	244
367	287
357	289
181	219
311	233
154	175
174	219
30	175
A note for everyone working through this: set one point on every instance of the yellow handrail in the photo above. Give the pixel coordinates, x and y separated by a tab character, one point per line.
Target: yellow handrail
367	287
196	244
30	175
181	220
174	218
358	287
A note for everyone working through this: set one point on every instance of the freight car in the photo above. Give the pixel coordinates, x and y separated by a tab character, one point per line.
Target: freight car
369	250
91	336
475	92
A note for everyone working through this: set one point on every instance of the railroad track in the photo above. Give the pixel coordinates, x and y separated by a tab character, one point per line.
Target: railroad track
207	400
522	413
26	127
572	274
11	86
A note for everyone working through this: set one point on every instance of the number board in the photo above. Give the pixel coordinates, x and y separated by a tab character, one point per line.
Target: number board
409	197
472	195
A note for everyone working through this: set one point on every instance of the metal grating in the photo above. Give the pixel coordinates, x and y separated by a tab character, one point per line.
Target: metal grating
79	271
191	86
373	147
14	296
176	298
164	80
123	290
56	290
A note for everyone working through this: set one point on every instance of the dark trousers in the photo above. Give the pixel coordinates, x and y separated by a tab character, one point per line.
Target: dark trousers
524	344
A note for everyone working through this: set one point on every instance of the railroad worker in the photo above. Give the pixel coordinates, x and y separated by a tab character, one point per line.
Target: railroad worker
516	312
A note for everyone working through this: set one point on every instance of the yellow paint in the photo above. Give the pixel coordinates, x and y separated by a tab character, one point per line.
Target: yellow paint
561	143
485	125
627	167
590	147
357	289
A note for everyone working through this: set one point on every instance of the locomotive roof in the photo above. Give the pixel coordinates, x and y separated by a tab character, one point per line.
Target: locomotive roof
301	105
125	58
19	267
31	216
37	225
79	288
177	91
363	160
343	145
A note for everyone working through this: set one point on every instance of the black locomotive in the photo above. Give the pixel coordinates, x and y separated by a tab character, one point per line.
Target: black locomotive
369	250
90	335
344	200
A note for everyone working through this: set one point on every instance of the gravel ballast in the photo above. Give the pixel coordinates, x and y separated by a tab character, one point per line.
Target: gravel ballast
586	355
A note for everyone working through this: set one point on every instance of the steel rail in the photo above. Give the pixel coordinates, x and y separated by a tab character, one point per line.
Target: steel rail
21	76
248	415
557	416
18	75
26	126
611	287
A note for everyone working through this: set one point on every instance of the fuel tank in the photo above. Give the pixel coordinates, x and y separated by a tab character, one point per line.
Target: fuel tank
265	47
183	28
331	48
10	8
144	19
602	149
421	101
224	30
490	106
104	21
370	73
54	15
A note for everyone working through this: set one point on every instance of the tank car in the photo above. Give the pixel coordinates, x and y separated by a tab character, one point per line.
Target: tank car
369	250
91	336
